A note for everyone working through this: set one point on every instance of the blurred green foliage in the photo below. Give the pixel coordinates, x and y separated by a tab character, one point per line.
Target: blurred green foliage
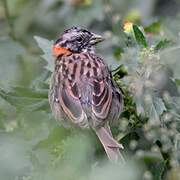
145	63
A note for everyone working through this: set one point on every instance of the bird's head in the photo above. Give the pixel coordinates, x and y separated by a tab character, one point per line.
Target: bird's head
76	40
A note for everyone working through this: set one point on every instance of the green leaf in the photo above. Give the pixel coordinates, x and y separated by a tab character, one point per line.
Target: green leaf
41	81
55	137
177	81
155	108
150	106
117	53
120	71
10	51
55	6
153	28
175	101
161	44
159	105
140	38
156	165
173	104
26	98
46	47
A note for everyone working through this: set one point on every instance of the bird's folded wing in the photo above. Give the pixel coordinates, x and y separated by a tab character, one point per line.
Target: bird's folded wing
101	98
68	94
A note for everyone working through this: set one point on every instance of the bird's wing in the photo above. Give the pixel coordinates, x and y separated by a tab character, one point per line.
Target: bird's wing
66	91
102	91
101	98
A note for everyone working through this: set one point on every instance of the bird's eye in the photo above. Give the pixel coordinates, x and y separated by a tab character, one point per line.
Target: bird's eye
79	39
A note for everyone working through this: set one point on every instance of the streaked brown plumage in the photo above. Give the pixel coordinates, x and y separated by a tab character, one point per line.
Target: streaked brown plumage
82	90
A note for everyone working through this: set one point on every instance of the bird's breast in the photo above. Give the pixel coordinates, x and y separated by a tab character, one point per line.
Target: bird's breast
78	66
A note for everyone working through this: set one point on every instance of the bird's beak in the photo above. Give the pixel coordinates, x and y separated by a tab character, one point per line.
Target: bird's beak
96	39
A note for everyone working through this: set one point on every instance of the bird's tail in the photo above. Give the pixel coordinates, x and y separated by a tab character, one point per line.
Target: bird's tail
110	145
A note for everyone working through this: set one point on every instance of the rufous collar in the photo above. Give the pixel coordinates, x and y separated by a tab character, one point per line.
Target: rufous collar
58	50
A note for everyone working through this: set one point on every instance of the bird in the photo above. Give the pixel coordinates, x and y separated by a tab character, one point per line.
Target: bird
82	91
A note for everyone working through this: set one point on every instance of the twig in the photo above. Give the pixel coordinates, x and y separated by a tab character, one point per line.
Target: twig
8	19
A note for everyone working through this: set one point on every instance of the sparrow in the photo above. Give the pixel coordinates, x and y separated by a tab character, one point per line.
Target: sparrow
82	91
